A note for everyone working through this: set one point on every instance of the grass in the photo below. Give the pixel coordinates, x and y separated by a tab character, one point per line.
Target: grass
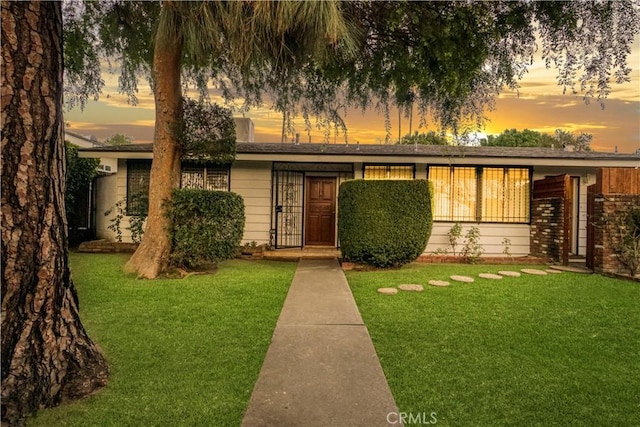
536	350
181	351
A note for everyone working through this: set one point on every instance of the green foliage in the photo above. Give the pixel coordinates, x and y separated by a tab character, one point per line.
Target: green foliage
136	221
530	138
429	138
507	246
119	139
453	235
579	142
208	132
525	138
472	249
625	228
80	172
206	226
384	223
450	59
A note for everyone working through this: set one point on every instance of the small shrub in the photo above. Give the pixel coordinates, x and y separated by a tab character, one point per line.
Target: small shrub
205	226
453	235
507	246
384	223
472	250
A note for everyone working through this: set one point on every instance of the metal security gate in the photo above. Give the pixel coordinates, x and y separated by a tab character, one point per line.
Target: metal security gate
287	218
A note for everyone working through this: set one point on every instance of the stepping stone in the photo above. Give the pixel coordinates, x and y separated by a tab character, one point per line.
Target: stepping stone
411	288
509	273
465	279
438	283
490	276
387	291
552	271
534	271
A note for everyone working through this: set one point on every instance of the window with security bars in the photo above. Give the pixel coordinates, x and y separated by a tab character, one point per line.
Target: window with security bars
505	195
455	193
480	194
205	177
138	186
389	171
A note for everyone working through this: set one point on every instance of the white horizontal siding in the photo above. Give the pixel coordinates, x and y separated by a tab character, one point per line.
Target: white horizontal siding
252	181
491	238
107	199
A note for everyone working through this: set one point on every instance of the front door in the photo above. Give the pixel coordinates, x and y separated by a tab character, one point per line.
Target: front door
320	218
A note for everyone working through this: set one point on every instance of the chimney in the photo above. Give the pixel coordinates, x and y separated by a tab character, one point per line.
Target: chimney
244	129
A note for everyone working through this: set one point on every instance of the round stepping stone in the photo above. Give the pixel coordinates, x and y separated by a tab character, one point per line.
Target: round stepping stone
387	291
465	279
490	276
411	288
552	271
438	283
534	271
509	273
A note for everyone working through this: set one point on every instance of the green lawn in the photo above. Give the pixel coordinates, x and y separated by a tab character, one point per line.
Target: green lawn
182	352
535	350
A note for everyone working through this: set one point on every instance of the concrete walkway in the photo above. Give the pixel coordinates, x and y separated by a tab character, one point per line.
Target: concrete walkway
321	368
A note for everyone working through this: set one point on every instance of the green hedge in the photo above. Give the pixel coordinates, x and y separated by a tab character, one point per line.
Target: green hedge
384	223
205	226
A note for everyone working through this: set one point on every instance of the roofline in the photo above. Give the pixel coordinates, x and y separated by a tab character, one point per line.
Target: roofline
366	153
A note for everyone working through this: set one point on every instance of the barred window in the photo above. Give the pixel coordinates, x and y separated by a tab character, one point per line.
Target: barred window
455	193
205	177
480	194
138	186
389	171
505	195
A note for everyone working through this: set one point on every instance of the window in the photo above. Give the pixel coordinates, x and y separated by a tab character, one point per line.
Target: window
455	193
480	194
205	177
505	195
389	171
138	186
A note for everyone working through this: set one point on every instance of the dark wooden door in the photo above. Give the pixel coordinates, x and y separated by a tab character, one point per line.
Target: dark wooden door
320	218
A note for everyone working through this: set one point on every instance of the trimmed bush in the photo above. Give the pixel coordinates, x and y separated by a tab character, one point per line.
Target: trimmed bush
205	226
384	223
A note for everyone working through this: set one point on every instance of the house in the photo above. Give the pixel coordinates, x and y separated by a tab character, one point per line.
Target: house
290	190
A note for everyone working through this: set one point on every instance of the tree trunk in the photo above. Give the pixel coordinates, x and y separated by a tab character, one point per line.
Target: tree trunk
47	356
152	256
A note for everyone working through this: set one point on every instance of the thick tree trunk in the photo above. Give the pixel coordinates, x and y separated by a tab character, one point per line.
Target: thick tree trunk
47	356
152	256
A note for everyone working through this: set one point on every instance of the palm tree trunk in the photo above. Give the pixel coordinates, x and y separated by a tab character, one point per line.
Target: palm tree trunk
152	256
47	356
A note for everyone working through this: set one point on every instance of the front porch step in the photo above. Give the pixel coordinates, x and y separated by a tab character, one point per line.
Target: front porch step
297	254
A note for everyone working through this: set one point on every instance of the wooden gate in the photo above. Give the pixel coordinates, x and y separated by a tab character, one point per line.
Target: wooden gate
551	218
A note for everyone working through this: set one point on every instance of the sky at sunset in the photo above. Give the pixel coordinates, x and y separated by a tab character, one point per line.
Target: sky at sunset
539	105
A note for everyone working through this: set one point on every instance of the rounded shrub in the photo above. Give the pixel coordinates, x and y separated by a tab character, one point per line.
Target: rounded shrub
205	226
384	223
